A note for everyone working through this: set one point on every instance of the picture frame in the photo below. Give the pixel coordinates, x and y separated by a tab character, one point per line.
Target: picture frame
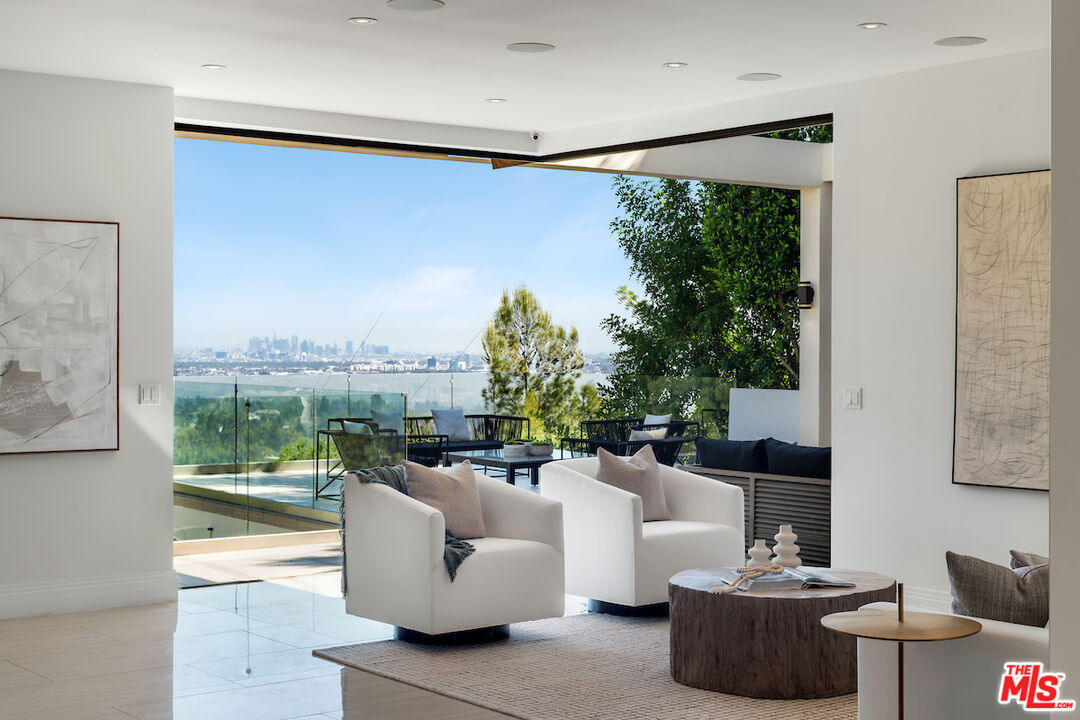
1001	419
59	335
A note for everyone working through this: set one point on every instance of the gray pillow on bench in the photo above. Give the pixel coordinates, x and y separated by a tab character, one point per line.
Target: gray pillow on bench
799	460
994	592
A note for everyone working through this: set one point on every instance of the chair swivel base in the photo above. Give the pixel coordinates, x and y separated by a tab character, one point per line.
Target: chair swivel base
461	637
655	610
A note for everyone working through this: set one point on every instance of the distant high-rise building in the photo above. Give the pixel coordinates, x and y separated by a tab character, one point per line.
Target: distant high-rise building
254	346
466	361
379	349
295	344
281	345
306	347
431	362
349	348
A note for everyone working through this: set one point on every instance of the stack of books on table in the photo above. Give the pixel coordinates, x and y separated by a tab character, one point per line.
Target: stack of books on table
790	579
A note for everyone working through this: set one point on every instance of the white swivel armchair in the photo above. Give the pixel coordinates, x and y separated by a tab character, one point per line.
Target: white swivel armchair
395	571
948	680
612	557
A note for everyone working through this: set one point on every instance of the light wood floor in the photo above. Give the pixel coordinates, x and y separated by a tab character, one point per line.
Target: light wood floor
230	652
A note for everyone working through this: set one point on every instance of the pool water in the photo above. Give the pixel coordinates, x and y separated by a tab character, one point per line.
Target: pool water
197	518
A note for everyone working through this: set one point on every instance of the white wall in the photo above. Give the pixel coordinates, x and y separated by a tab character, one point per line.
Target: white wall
901	143
85	530
1065	346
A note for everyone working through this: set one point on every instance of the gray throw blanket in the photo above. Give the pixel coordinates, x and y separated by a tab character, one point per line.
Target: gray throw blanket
455	550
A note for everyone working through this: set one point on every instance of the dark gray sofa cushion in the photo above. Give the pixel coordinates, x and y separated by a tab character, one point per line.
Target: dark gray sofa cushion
799	460
740	455
984	590
463	445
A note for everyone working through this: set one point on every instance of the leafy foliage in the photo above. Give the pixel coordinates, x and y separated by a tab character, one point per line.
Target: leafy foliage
719	266
533	365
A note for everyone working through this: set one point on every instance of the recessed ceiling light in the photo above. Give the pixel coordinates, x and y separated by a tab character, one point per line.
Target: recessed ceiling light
960	41
758	77
530	47
416	4
675	65
873	25
363	20
495	100
213	66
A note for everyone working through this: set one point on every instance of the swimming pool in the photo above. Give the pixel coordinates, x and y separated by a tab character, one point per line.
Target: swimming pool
196	518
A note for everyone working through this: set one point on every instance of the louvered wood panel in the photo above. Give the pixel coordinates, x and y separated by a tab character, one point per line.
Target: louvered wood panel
803	506
773	500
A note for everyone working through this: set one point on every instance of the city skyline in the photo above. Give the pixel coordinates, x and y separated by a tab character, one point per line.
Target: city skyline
404	252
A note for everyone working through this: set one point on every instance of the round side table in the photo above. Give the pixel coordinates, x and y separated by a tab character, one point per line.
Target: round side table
901	627
766	644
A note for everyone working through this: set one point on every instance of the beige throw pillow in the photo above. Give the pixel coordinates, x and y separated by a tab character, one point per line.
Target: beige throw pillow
656	434
451	491
639	475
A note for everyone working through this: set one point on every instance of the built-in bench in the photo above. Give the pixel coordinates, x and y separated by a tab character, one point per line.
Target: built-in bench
772	499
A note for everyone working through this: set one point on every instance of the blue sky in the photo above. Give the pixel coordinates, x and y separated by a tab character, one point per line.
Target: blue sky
316	243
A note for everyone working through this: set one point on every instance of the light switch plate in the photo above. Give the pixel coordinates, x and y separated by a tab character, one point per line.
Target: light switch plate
149	394
853	398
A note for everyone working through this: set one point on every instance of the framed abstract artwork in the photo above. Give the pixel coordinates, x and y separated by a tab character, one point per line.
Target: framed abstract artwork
59	344
1002	417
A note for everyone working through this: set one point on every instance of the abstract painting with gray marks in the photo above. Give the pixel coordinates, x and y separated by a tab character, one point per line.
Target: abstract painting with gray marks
1003	331
58	335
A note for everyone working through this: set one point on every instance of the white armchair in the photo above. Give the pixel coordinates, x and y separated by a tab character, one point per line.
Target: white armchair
613	557
394	560
948	680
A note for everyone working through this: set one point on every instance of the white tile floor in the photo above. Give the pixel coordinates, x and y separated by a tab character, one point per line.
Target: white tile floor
233	652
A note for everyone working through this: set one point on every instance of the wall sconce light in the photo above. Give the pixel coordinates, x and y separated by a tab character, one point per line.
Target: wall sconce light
806	295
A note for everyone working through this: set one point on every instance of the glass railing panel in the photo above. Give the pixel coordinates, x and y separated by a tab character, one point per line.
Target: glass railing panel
204	423
277	440
704	400
698	406
254	458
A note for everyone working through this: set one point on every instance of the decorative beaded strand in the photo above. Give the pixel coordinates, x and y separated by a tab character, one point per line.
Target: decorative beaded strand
745	574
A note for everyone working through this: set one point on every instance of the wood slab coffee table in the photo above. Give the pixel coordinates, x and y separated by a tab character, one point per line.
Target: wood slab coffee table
767	644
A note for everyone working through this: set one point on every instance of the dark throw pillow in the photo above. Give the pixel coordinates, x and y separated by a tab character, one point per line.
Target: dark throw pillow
994	592
740	455
799	460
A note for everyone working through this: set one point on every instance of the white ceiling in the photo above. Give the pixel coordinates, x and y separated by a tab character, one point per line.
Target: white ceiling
440	66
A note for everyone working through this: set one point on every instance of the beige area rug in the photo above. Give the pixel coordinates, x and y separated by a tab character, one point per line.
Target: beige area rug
237	566
583	666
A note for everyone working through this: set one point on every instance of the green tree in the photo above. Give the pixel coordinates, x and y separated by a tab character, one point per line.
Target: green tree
532	363
718	265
